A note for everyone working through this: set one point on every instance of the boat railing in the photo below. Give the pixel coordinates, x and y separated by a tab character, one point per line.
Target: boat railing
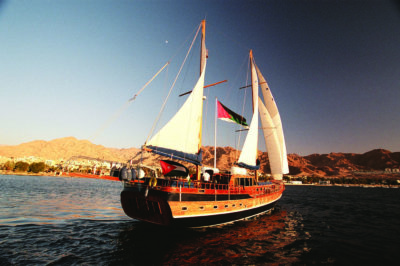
260	188
198	184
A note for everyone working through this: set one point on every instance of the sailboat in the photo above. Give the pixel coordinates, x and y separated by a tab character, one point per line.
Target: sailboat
209	198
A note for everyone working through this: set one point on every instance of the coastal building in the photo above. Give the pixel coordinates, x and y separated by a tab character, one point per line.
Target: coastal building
50	163
324	182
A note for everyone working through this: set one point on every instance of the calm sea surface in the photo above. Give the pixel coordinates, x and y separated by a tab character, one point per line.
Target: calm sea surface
74	221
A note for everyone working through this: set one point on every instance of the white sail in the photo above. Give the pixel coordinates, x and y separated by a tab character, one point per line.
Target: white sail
273	132
248	156
183	132
180	138
271	141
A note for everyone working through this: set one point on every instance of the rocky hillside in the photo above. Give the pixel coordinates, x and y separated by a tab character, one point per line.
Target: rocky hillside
332	164
339	164
65	148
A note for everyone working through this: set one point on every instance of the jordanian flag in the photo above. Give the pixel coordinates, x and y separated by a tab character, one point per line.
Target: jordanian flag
228	115
171	168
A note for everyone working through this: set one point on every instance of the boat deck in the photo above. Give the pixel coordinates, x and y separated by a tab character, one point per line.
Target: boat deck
183	185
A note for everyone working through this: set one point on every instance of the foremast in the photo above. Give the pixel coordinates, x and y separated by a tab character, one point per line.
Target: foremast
181	137
203	57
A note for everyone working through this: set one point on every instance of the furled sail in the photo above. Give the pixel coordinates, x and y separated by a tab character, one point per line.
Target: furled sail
248	156
272	129
180	138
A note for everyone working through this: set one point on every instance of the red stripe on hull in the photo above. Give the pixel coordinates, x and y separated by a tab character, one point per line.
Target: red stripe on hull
82	175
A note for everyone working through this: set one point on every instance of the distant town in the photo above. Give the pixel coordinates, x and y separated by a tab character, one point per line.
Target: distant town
32	165
35	165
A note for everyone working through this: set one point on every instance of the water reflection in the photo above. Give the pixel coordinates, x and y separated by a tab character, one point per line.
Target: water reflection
276	238
66	221
48	200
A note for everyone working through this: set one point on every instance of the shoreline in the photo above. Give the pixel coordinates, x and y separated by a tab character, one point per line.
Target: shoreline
346	185
111	178
62	174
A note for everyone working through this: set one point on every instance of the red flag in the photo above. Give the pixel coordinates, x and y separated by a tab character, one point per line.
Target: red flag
171	168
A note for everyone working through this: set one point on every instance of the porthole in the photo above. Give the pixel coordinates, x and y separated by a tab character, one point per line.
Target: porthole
184	208
215	207
201	207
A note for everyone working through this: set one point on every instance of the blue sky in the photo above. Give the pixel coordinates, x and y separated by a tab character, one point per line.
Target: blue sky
333	66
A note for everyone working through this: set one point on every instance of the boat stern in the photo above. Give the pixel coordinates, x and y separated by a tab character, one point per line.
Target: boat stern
151	207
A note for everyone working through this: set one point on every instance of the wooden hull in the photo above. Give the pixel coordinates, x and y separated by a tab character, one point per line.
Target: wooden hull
197	207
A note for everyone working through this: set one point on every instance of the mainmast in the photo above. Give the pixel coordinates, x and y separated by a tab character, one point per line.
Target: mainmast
254	80
248	156
254	93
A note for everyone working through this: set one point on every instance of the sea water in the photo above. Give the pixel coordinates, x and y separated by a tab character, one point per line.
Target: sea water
74	221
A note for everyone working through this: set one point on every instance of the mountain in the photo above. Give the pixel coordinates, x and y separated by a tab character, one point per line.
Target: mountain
341	164
332	164
66	148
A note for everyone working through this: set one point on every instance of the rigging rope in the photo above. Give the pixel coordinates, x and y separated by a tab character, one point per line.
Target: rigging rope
172	86
125	105
244	103
148	82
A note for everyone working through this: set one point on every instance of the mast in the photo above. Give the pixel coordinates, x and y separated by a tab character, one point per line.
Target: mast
203	50
203	56
215	133
254	93
180	137
248	156
254	80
